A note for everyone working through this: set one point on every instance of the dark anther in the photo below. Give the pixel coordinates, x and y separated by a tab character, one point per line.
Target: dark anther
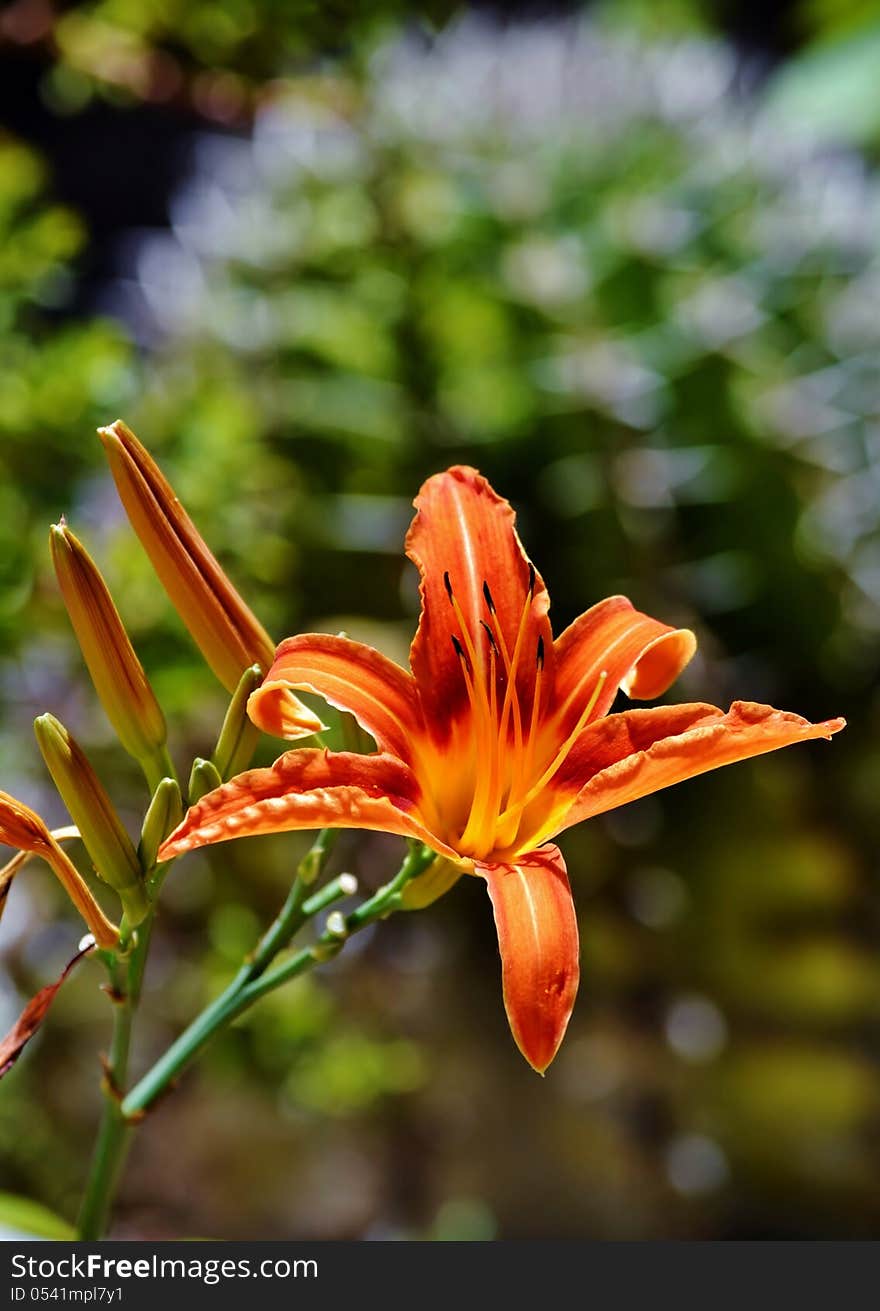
540	656
490	636
488	595
459	649
531	579
447	584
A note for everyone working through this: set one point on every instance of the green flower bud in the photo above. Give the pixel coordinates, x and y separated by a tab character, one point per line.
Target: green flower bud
203	778
164	813
92	812
238	737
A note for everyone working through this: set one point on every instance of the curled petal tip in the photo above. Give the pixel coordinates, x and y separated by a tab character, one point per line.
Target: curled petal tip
273	708
659	664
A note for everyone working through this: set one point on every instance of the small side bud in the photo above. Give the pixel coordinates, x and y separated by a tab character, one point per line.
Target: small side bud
316	857
203	778
164	813
238	737
116	672
93	813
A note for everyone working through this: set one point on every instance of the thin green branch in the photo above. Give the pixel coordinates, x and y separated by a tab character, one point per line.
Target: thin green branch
252	982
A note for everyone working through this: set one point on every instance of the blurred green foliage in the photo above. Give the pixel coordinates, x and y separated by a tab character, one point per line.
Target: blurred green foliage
830	88
591	264
212	58
52	377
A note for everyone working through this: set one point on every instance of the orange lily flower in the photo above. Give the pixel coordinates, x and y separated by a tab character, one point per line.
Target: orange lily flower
498	739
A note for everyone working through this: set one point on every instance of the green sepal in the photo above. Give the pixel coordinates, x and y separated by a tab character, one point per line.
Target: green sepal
428	887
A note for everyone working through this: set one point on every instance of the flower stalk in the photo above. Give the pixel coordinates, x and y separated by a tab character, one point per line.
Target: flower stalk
114	1133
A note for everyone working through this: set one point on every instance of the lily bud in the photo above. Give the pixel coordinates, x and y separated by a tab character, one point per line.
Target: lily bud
91	810
164	813
117	674
203	779
238	737
21	827
225	630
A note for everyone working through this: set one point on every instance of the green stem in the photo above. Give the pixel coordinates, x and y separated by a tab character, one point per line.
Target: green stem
252	982
158	766
292	915
114	1131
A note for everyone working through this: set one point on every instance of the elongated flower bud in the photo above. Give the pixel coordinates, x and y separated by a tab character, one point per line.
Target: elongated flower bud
91	810
227	633
238	737
22	828
116	672
164	813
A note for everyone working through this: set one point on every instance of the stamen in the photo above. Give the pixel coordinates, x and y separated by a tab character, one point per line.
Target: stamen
479	831
511	705
490	636
531	579
448	585
488	595
561	755
536	702
460	652
476	658
479	826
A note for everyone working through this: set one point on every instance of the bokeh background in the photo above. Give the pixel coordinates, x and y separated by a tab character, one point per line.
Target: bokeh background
624	258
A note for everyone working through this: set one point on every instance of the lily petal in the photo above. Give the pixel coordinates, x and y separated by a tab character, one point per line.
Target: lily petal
629	755
351	676
538	940
306	790
464	535
638	654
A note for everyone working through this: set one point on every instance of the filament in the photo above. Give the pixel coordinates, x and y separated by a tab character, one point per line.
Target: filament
561	755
